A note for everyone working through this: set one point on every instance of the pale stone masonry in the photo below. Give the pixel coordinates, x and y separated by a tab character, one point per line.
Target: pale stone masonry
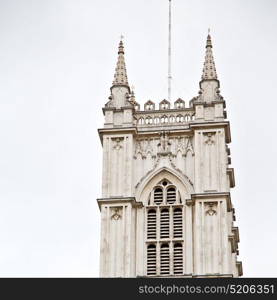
166	208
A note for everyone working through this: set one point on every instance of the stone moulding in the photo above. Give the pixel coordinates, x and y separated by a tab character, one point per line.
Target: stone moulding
116	131
118	200
231	175
215	125
215	195
239	267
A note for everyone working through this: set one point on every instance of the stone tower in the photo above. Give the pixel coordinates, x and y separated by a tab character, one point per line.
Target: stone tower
166	208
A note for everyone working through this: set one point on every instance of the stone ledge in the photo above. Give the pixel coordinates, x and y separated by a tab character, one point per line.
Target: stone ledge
119	200
116	131
214	195
214	124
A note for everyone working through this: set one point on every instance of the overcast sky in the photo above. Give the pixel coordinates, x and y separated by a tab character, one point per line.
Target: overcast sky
57	60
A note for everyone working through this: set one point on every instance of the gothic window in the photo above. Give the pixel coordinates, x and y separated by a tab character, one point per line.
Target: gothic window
148	120
179	118
187	118
164	232
141	121
156	120
171	195
171	119
158	196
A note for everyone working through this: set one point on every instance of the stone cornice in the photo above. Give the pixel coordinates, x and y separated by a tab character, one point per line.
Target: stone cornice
116	131
154	131
112	108
118	201
214	124
205	104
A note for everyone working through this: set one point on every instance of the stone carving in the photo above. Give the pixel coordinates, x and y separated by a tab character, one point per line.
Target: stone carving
189	146
211	211
139	149
164	144
209	138
179	145
149	148
117	144
116	215
178	170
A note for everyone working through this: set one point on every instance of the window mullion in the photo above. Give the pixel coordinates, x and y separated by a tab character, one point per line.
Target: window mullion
158	261
171	261
171	237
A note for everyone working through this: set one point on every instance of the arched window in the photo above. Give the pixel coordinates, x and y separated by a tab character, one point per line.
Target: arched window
148	120
171	195
156	120
141	121
179	118
164	232
158	196
171	119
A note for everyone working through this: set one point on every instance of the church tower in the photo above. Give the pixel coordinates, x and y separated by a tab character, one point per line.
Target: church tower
166	207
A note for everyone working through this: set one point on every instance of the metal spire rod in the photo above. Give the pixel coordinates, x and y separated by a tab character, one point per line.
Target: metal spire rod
169	53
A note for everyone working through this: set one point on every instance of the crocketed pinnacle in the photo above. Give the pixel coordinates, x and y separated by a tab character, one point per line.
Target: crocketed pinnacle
209	71
120	76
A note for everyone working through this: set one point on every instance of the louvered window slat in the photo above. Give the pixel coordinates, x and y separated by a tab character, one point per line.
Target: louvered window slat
151	224
164	225
177	223
151	260
164	258
178	259
164	231
171	195
158	196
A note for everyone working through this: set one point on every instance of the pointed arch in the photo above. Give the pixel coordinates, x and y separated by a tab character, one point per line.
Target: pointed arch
181	182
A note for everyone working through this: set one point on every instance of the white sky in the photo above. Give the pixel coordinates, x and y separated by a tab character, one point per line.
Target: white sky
57	60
